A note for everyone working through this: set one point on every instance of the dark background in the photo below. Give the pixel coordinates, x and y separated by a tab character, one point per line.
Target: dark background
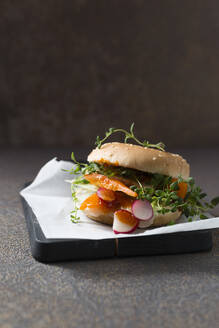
71	69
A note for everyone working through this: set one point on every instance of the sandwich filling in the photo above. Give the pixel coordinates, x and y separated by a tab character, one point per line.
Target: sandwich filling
103	189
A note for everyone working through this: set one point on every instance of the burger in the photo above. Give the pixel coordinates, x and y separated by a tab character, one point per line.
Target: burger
129	186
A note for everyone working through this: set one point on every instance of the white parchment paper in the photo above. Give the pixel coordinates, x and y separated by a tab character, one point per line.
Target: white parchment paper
49	196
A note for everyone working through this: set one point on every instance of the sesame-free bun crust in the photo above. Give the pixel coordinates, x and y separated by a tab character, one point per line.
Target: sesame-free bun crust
159	220
164	219
141	158
104	218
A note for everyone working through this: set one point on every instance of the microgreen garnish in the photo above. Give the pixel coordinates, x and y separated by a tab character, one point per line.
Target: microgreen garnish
215	201
162	194
105	169
83	168
74	213
129	135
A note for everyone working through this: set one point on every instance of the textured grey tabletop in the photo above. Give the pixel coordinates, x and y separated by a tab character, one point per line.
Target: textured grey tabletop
155	291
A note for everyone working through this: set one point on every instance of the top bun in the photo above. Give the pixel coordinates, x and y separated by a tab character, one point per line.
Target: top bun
140	158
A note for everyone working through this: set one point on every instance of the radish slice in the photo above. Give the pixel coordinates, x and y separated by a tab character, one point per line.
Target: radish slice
142	210
124	222
106	194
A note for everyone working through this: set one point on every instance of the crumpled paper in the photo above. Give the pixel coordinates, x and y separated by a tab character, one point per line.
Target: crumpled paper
49	196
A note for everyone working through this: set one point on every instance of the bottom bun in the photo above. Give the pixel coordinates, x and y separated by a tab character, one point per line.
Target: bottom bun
164	219
105	218
159	220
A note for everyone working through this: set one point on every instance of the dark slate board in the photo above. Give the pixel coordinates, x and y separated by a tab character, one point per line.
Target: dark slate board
54	250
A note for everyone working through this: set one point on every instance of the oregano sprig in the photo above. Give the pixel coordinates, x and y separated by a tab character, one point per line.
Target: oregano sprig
128	135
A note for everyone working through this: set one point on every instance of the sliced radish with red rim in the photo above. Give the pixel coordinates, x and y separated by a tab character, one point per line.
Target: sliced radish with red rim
142	210
124	222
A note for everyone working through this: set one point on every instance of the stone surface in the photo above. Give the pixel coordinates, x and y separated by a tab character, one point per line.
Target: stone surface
72	67
155	291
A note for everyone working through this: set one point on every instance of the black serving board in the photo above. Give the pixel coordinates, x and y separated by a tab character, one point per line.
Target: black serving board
54	250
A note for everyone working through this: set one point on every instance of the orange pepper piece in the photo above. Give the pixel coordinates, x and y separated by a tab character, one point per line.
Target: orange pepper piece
95	203
101	180
183	187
